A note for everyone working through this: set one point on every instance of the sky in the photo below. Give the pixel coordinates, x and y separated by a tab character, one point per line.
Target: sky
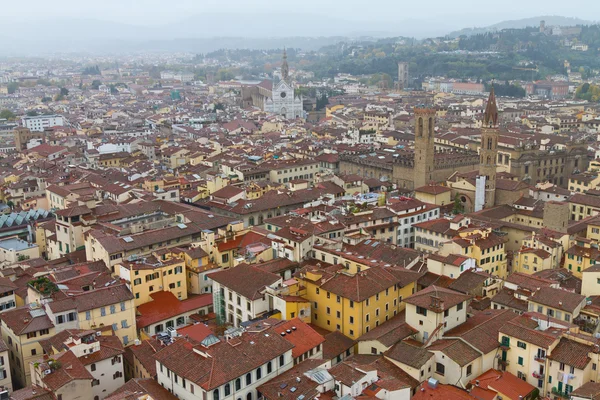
460	13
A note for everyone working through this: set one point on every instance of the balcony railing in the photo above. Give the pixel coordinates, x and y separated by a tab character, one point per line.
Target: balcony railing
537	375
541	359
557	392
504	345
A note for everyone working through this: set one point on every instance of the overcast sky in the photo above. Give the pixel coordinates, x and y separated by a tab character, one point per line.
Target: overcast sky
464	13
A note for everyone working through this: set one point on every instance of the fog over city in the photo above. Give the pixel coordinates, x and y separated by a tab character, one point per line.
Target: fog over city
115	25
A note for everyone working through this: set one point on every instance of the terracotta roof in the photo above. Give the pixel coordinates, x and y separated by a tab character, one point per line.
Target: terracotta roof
500	382
247	280
21	321
589	390
449	298
558	299
441	392
433	189
301	335
468	281
293	383
390	333
32	392
134	388
457	350
71	369
525	329
336	343
227	360
481	330
144	352
165	305
572	353
412	356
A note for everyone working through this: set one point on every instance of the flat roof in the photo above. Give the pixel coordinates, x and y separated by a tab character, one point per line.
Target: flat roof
15	244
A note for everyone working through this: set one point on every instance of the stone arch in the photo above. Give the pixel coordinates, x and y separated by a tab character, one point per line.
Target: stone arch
430	126
420	129
489	160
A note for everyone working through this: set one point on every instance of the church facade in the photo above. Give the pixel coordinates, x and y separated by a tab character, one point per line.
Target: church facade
277	98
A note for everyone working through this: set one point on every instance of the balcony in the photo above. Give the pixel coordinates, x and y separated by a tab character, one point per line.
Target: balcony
504	345
556	392
537	375
539	358
503	362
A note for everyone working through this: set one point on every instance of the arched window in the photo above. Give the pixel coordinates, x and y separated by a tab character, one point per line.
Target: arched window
216	394
249	396
248	379
238	384
489	143
258	373
489	160
430	127
227	389
420	127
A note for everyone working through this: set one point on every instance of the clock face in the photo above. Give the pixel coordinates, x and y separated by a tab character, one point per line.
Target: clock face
283	94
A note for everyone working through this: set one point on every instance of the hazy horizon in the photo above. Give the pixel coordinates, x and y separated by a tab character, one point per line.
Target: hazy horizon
457	15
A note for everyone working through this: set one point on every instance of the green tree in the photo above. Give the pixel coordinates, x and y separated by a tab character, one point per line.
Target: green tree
46	99
96	84
458	206
64	91
12	87
7	114
322	102
32	113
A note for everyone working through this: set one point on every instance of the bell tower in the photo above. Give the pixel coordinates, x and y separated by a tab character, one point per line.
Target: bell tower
424	146
488	152
285	68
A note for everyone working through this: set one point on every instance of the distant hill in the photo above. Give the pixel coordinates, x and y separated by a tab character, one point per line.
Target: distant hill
522	23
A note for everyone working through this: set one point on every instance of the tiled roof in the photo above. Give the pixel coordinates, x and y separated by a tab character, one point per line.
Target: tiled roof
390	333
144	352
335	344
301	335
521	328
247	280
20	321
71	369
558	299
293	383
165	305
457	350
481	330
410	355
449	298
228	359
494	382
134	388
572	353
32	392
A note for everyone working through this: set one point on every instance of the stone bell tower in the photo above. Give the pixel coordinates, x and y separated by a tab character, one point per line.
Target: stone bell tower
424	146
488	153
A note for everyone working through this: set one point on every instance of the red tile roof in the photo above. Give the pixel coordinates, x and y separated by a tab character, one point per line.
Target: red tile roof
165	305
301	335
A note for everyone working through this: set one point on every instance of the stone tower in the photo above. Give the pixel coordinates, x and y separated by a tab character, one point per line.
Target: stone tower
285	69
556	216
402	75
424	146
488	153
